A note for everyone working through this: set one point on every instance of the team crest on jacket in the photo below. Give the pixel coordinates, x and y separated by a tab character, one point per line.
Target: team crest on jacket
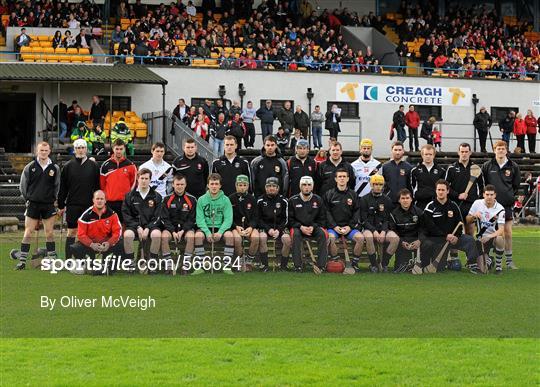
277	168
507	173
315	205
51	173
237	165
151	203
278	205
248	206
435	170
381	207
349	202
185	206
415	218
125	170
402	172
309	168
107	221
450	214
199	166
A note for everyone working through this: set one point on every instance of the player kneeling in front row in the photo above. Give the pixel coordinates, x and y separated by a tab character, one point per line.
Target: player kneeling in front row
406	220
272	219
177	219
40	183
98	232
489	216
244	222
214	219
375	211
441	218
342	208
306	219
140	211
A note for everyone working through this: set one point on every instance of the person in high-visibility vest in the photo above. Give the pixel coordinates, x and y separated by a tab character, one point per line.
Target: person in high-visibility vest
121	131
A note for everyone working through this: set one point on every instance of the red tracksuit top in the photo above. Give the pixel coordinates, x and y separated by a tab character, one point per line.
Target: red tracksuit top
95	228
116	179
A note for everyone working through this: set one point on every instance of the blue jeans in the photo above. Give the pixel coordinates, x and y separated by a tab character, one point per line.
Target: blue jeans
317	137
63	131
506	138
217	146
266	129
401	135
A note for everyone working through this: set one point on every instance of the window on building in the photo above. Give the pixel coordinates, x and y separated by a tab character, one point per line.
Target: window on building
118	103
426	111
499	112
277	103
348	109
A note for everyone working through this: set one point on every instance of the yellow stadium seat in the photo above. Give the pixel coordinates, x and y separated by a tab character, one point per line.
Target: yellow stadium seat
26	49
43	38
48	50
75	59
84	51
140	126
34	43
60	50
130	60
238	50
52	58
214	55
197	62
129	113
28	57
141	133
118	113
210	61
72	51
87	58
228	50
45	44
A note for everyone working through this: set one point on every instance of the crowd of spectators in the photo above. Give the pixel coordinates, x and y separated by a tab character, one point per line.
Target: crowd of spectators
51	13
510	53
284	35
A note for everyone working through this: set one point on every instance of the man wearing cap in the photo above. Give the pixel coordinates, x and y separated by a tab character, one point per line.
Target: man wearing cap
78	181
307	218
272	221
269	164
327	169
482	122
365	167
342	207
300	165
375	211
230	165
244	221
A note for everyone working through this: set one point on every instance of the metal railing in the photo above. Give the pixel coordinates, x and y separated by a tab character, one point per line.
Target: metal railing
174	139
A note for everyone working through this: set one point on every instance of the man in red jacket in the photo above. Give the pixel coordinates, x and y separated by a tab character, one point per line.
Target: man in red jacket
117	177
98	230
412	119
531	123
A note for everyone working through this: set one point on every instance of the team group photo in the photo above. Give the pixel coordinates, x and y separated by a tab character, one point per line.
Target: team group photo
269	192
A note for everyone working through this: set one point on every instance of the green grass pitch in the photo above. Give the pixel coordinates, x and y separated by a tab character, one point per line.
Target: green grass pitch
276	328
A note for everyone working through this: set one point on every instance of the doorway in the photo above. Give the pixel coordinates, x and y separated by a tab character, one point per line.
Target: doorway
18	112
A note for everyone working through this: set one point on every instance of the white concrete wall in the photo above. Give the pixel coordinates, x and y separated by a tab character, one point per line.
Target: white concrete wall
375	118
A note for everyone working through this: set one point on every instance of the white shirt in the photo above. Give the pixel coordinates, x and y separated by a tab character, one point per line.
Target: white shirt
74	23
363	170
191	10
161	175
490	218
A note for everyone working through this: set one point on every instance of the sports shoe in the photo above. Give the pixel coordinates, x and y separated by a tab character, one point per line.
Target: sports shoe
198	272
474	270
384	269
373	269
228	272
14	254
498	270
297	269
283	268
265	269
400	269
20	266
511	265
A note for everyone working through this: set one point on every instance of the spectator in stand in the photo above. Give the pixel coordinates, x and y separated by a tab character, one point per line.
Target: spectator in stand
237	129
333	118
200	126
285	117
506	126
482	123
267	115
60	115
98	111
282	139
57	39
301	121
317	120
83	39
122	132
437	137
427	129
398	120
520	130
249	115
531	123
412	119
69	40
124	49
218	132
22	40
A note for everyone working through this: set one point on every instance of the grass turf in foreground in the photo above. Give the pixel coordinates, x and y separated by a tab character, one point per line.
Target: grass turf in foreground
433	362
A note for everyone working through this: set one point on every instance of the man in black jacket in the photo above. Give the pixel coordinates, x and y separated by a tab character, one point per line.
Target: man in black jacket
78	182
424	176
375	211
505	175
60	115
482	123
140	213
307	217
441	216
396	173
244	223
269	164
399	123
193	167
342	207
39	186
299	165
406	220
98	111
267	115
230	165
506	126
272	221
326	172
286	117
301	121
177	220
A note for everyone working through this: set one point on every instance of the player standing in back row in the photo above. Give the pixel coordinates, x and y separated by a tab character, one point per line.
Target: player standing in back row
365	167
40	183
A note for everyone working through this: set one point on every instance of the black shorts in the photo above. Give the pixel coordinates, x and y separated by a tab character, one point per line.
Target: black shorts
508	213
464	208
39	211
116	207
73	213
